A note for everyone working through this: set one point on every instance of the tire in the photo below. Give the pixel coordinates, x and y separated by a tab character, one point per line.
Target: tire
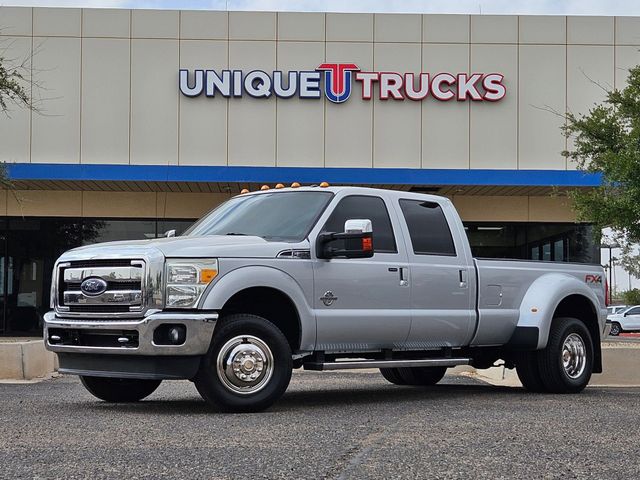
528	371
424	376
392	375
266	357
616	329
566	363
119	390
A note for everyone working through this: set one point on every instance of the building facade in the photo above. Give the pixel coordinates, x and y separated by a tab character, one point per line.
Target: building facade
144	120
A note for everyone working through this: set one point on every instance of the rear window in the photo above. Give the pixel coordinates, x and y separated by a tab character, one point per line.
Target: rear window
428	228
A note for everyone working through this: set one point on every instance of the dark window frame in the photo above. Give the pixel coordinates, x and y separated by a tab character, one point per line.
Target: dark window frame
446	222
384	204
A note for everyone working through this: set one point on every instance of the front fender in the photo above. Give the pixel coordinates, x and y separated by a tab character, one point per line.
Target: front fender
242	278
542	299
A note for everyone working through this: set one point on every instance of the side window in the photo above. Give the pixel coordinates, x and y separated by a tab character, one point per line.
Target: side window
372	208
634	311
428	228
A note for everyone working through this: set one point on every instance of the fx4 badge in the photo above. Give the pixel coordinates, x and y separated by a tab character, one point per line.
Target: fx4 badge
593	278
328	298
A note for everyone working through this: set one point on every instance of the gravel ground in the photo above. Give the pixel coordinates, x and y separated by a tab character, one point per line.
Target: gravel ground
328	425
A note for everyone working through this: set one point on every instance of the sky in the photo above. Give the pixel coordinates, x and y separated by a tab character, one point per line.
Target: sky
540	7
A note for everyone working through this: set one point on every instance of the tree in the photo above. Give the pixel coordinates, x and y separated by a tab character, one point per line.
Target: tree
607	142
14	75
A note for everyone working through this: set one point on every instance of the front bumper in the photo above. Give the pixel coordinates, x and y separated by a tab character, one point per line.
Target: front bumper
199	331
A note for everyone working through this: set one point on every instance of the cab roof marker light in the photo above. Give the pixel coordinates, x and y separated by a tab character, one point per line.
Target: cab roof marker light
279	185
324	184
243	191
264	187
295	185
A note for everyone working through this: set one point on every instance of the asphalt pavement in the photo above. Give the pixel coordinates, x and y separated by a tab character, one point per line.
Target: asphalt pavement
337	425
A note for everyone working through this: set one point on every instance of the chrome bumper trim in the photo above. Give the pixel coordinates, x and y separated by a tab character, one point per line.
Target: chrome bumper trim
199	327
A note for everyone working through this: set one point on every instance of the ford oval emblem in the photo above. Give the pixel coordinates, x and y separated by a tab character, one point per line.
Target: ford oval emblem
93	286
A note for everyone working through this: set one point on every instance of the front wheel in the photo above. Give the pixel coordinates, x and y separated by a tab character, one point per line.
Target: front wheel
616	329
248	366
119	390
566	363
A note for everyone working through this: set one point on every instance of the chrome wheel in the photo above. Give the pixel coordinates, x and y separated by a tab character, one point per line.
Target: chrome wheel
574	356
615	330
245	364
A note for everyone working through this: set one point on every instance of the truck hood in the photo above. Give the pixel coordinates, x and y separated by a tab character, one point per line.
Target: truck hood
192	247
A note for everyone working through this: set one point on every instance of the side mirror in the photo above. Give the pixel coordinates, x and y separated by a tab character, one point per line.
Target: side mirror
355	242
170	233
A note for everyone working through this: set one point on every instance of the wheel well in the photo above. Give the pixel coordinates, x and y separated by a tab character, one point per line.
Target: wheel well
580	307
271	304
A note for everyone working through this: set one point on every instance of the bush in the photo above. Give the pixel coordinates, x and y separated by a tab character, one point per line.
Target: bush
631	297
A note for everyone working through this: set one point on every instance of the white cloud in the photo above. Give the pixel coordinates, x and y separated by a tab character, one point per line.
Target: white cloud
558	7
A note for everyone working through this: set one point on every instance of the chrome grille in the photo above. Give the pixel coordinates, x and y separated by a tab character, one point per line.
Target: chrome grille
124	286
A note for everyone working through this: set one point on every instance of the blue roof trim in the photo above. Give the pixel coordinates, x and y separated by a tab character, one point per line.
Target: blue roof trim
389	176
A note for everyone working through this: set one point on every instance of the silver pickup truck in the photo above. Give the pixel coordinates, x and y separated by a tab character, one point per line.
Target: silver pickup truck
322	278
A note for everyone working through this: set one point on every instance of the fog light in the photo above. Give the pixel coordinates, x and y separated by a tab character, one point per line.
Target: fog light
170	334
177	335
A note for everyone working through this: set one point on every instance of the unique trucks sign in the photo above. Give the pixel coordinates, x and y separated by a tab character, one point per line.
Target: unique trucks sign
336	81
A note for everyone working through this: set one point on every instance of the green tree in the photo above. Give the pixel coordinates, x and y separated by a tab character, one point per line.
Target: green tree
607	142
631	297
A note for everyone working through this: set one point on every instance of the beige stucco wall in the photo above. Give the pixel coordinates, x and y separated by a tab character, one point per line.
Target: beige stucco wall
194	205
110	92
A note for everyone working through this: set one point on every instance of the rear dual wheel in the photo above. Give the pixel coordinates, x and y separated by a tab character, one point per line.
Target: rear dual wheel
424	376
564	365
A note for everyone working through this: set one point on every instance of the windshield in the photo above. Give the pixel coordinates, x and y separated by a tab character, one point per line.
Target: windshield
284	216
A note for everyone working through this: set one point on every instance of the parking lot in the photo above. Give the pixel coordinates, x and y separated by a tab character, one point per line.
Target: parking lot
328	425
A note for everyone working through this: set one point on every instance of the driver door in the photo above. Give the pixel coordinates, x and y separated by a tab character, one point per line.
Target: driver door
362	303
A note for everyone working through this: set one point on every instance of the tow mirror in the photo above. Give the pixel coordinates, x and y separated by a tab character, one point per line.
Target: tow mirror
355	242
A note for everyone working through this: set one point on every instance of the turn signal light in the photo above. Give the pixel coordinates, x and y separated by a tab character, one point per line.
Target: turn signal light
207	274
367	244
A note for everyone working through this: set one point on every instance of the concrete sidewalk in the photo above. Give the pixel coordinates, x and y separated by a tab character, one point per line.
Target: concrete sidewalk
25	359
621	368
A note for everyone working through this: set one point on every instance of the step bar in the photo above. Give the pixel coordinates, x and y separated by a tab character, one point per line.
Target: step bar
352	364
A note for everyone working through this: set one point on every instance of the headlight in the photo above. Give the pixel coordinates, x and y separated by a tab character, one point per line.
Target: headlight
187	280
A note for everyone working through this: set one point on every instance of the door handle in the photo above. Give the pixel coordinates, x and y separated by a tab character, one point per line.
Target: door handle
463	278
404	276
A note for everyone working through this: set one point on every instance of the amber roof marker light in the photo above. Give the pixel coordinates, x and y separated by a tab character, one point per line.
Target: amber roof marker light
264	187
324	184
295	185
279	186
243	191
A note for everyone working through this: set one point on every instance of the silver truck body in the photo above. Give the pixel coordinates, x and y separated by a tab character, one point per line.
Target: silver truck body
397	302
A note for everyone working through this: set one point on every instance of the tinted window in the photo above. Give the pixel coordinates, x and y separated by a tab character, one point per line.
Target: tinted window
428	228
286	216
633	311
364	207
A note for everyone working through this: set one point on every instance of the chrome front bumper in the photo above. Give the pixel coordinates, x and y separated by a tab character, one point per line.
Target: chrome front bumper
199	331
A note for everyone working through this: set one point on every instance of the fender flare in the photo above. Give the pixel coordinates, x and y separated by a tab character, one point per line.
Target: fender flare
540	303
243	278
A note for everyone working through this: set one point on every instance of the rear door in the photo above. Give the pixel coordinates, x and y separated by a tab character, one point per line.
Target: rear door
362	303
442	277
631	320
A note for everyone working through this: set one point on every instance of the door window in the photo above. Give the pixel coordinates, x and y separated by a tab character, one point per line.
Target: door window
428	228
365	207
633	311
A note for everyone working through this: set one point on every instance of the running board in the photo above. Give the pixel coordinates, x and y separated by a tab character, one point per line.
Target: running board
347	364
